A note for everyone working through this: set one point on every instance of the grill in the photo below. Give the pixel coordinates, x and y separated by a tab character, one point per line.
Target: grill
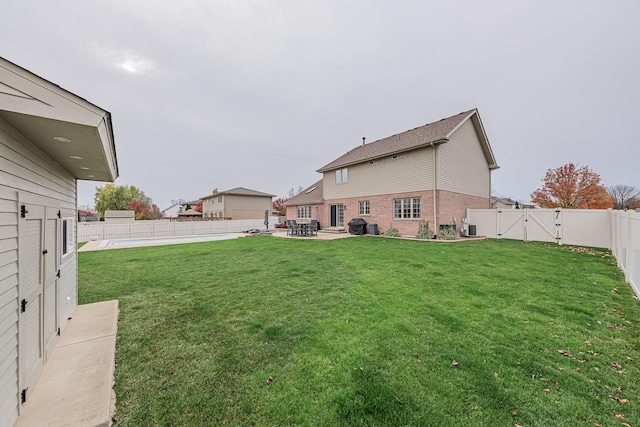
358	226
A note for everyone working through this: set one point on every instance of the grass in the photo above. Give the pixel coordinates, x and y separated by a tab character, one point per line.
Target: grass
365	331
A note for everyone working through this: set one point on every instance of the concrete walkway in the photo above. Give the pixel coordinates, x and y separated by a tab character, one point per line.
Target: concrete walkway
76	385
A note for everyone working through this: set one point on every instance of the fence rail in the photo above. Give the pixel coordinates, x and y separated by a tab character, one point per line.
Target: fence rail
163	228
618	231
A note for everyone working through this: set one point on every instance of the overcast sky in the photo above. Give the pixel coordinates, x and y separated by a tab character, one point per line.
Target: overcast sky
260	94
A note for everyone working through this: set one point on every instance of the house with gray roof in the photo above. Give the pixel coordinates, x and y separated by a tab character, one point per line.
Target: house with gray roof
236	203
430	173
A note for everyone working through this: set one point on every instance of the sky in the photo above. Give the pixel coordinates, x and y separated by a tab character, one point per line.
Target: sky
209	94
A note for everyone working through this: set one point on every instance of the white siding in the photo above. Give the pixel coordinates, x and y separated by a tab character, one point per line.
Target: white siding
404	174
462	165
24	169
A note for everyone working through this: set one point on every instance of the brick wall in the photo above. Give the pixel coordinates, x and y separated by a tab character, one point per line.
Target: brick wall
454	205
450	205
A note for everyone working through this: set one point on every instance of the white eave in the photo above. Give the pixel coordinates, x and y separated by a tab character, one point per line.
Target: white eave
73	132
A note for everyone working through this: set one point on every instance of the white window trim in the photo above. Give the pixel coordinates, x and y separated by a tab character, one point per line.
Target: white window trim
364	204
68	224
411	208
342	176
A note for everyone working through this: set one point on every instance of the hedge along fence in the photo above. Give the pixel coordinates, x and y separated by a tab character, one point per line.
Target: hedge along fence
618	231
163	228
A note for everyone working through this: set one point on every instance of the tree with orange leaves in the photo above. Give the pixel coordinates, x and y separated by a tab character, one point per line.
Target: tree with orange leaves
572	187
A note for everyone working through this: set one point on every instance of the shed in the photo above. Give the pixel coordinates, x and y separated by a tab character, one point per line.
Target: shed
119	217
49	139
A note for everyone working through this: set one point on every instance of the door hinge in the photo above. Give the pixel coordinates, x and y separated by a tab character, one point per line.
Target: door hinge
23	211
23	394
44	252
23	305
59	214
58	274
58	333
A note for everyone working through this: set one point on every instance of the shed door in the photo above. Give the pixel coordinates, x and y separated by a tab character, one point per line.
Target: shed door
30	260
51	267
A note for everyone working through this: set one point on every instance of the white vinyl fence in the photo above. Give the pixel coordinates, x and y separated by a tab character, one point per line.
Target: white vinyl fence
164	228
618	231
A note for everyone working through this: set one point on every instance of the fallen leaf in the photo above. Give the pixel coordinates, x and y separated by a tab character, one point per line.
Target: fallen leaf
454	364
544	380
514	413
626	425
269	380
547	390
621	416
495	374
597	424
615	310
623	401
557	384
616	365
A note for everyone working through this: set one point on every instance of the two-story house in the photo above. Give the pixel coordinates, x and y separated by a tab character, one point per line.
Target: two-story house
431	173
237	203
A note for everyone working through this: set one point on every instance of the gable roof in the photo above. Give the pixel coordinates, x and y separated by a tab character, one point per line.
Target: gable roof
313	194
430	134
238	191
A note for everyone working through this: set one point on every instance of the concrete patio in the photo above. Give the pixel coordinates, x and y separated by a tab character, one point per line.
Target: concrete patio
76	385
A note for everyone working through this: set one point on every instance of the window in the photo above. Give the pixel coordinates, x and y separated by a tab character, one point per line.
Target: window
342	176
408	208
68	245
219	199
364	207
304	211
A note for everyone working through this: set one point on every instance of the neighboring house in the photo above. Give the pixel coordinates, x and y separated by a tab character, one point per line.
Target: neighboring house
502	203
237	203
119	217
172	211
508	203
49	139
189	214
430	173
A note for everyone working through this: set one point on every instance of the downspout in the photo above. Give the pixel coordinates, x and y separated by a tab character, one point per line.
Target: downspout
435	203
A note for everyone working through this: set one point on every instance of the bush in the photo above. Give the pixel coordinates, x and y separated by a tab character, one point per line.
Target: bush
448	233
423	231
392	232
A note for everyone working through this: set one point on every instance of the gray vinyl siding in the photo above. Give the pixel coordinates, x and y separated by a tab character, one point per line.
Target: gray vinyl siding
25	169
404	174
462	165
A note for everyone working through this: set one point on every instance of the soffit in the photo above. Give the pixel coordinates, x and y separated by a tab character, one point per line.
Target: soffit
41	111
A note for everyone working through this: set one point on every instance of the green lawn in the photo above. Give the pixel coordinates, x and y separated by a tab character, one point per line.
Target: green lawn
365	331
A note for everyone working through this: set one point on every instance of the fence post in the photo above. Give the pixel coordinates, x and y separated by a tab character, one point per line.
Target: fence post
629	253
558	226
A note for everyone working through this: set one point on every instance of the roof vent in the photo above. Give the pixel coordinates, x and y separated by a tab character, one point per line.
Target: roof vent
363	138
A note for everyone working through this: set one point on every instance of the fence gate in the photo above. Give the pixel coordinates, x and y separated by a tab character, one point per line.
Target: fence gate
544	225
511	224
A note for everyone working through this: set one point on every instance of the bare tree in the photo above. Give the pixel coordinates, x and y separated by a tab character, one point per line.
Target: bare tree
623	195
293	192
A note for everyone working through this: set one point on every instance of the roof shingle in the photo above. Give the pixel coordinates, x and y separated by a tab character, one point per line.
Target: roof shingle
424	135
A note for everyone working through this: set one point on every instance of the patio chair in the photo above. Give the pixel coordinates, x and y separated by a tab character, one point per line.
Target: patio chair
293	229
312	228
